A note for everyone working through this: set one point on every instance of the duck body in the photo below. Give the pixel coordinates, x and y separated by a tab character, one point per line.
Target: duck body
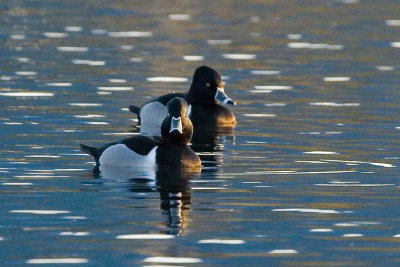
203	97
170	151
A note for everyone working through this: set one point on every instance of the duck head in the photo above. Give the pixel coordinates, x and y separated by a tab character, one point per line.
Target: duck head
207	87
177	127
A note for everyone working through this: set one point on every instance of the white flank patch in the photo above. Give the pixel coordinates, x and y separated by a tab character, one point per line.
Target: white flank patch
308	211
239	56
167	79
27	94
283	251
221	241
78	49
41	212
152	116
129	34
171	260
121	155
145	236
58	261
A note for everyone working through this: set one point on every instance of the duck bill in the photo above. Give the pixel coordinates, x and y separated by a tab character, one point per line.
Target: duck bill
222	97
176	126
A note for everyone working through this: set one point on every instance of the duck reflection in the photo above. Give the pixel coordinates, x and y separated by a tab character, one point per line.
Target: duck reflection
172	184
175	198
210	144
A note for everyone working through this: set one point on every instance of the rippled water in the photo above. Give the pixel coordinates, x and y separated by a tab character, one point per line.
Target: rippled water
309	177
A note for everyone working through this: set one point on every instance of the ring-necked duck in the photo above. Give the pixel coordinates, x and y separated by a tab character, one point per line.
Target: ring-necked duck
203	96
152	152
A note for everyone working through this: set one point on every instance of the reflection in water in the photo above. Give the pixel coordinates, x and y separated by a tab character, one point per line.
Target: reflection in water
173	185
175	197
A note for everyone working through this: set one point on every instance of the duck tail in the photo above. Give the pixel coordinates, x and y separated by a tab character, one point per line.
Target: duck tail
136	110
89	150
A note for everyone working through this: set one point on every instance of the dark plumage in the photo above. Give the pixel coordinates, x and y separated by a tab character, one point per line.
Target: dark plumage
169	151
203	96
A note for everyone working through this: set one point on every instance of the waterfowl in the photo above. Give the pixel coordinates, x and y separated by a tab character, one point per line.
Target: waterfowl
170	151
203	97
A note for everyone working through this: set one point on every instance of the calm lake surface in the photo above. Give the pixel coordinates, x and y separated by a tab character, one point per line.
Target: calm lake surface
308	177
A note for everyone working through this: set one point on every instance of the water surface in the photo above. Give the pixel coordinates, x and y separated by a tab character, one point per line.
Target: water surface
308	177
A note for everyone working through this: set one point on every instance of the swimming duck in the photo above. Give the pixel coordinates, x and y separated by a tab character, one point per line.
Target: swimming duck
203	96
153	152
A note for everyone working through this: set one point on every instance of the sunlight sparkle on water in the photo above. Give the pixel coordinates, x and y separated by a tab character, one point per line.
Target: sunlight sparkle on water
170	260
41	212
167	79
179	16
27	94
314	46
221	241
129	34
145	236
58	261
77	49
55	34
239	56
193	58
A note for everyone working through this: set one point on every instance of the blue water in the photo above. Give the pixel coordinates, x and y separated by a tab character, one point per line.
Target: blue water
308	177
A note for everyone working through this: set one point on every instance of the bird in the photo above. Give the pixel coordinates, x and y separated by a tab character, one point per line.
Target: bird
141	151
204	110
